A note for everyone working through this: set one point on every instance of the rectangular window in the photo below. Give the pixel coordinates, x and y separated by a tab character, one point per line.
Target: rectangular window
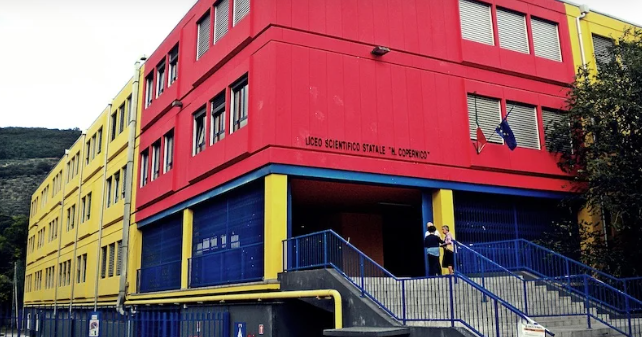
112	254
83	209
93	148
116	186
511	27
114	124
99	139
203	38
239	104
121	115
550	118
103	262
169	152
84	268
156	159
124	184
119	258
88	211
476	22
149	89
87	151
221	19
523	122
218	118
78	268
173	66
546	40
128	106
199	132
486	111
601	49
241	8
144	171
68	276
160	78
73	216
108	191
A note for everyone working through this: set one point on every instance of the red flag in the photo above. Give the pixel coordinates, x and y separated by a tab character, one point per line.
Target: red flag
481	140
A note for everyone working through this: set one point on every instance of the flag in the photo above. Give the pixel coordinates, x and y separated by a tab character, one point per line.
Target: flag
480	141
504	131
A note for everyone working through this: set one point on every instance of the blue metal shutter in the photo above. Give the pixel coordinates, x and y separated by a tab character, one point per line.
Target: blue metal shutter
228	238
161	255
546	40
511	27
476	22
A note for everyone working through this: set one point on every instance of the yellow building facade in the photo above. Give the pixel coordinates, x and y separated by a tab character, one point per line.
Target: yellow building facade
74	247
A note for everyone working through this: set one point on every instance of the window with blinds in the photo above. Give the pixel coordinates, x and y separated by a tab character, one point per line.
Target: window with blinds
512	31
523	122
119	257
241	8
112	254
221	19
551	117
546	40
486	111
203	38
476	22
601	47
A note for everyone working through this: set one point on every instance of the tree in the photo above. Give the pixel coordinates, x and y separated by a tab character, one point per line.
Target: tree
599	141
13	242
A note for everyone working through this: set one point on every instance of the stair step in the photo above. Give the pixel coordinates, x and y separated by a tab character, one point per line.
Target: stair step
367	332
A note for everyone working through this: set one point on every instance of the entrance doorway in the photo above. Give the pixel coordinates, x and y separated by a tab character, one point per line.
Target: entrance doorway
385	223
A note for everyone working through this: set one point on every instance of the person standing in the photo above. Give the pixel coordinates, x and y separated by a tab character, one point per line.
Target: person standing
449	255
432	242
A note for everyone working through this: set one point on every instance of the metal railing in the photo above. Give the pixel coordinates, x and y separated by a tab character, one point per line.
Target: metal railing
452	300
169	321
526	256
240	264
166	276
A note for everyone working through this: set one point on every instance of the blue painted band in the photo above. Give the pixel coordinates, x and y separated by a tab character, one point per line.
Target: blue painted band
348	176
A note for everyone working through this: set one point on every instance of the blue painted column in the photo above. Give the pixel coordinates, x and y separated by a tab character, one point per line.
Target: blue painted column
426	216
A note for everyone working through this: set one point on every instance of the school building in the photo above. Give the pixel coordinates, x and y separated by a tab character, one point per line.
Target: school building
255	123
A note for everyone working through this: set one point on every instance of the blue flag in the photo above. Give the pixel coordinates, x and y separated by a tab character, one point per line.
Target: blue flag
504	131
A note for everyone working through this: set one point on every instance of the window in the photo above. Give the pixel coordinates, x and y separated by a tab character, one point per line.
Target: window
511	27
112	253
218	118
550	117
149	89
103	263
73	216
203	38
88	211
221	19
114	120
144	171
77	163
93	149
546	41
239	104
83	209
199	132
156	159
128	105
168	159
87	151
121	113
601	48
523	122
116	186
160	78
99	139
108	191
173	66
119	258
81	268
487	111
476	22
124	184
241	8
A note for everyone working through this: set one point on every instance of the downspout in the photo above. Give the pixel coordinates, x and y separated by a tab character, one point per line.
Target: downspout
62	214
130	182
102	208
73	256
584	9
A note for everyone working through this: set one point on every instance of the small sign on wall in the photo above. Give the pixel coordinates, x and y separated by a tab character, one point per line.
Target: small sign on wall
531	330
94	324
261	329
239	329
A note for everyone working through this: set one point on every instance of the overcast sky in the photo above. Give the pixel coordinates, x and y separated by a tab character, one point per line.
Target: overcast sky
64	60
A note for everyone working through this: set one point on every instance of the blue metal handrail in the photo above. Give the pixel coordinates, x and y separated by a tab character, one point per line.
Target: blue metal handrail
467	302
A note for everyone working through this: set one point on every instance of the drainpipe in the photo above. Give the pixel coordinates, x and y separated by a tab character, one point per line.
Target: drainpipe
584	9
62	214
102	208
129	179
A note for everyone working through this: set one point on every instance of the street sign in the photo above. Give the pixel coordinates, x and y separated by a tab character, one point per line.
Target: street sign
239	329
94	324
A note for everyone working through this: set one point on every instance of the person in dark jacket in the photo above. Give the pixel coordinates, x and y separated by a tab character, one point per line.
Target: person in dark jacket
432	242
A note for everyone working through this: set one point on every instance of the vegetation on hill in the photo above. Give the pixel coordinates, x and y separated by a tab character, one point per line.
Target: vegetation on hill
25	143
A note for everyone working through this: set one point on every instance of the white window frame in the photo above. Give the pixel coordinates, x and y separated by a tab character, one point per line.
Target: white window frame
173	66
161	71
215	136
195	146
149	89
144	172
241	84
156	152
168	158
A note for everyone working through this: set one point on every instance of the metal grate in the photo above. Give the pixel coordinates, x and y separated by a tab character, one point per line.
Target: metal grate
546	40
523	122
241	8
222	19
512	31
203	43
228	234
601	48
161	255
488	114
476	22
